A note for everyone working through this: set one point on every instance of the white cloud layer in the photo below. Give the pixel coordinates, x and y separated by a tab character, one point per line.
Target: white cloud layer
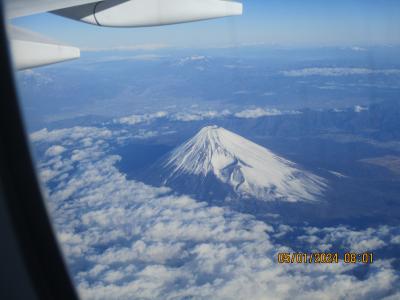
128	47
127	240
200	115
338	72
262	112
137	57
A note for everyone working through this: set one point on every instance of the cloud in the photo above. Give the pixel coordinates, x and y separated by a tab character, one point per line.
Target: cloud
359	108
338	174
257	113
136	47
242	92
31	77
199	115
70	135
338	72
193	58
395	239
54	150
137	119
139	57
238	66
267	94
127	240
349	239
261	112
145	134
358	49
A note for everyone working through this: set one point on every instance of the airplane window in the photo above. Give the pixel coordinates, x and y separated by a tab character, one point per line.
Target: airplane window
216	149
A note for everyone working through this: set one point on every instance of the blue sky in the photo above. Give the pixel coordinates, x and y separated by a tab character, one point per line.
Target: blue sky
289	23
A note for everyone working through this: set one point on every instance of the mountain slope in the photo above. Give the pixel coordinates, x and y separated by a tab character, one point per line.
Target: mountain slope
220	160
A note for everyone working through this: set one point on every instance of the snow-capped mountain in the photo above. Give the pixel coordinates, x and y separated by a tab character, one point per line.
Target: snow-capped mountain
217	162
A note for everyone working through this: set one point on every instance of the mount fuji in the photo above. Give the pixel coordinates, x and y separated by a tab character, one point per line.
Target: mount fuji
221	165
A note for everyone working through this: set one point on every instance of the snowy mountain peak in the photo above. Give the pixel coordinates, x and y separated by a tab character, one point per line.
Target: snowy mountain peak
250	169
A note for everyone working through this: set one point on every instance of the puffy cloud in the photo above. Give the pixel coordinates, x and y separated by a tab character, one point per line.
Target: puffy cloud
359	108
127	240
257	112
199	115
338	72
55	150
145	134
137	119
395	239
184	116
70	135
350	239
261	112
282	230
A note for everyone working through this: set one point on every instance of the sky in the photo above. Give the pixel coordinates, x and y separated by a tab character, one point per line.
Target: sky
271	22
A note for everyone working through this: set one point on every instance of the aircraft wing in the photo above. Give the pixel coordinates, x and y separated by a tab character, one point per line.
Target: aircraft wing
20	8
31	51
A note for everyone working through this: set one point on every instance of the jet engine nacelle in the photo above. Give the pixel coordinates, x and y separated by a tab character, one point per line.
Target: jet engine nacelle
140	13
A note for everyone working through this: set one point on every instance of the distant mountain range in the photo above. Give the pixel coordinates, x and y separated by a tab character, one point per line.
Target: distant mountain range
221	165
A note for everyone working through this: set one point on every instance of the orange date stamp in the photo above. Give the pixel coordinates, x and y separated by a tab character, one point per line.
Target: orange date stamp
325	258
